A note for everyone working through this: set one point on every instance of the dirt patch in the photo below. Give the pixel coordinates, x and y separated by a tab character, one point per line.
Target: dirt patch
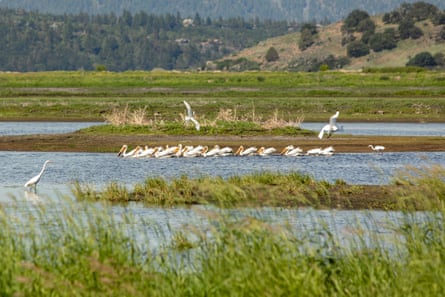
79	142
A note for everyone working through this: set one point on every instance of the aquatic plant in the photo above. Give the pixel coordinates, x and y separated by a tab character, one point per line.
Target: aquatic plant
66	248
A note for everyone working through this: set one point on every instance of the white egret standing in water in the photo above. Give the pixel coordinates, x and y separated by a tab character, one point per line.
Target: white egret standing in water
377	148
32	183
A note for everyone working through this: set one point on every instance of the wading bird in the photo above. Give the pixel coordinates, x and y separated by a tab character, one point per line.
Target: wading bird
123	151
291	151
377	148
32	183
190	116
250	151
262	151
331	127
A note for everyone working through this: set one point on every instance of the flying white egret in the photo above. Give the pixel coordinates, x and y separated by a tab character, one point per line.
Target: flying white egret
377	148
331	127
32	183
191	115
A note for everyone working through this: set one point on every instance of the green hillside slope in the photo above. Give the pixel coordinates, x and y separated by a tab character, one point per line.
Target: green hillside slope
328	42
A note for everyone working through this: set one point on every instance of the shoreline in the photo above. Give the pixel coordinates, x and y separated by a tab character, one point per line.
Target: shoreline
80	142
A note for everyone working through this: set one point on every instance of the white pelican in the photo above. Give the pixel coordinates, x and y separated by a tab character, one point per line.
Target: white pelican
291	151
214	152
191	115
166	152
191	152
123	151
226	151
329	151
146	152
314	152
137	150
251	151
35	180
262	151
331	127
377	148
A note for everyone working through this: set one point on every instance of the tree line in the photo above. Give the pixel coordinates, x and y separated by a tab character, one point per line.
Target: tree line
33	41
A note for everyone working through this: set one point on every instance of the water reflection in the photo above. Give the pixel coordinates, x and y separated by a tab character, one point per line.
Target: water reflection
31	196
396	129
98	170
386	129
27	128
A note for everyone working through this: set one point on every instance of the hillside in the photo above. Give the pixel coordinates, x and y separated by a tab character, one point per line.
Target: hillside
329	42
289	10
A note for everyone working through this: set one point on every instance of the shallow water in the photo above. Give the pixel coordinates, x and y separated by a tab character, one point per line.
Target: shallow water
396	129
27	128
385	129
100	169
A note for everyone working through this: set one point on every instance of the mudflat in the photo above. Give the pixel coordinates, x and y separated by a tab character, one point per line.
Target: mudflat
80	142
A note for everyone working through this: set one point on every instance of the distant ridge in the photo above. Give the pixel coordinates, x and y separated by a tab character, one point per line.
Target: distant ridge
329	44
295	10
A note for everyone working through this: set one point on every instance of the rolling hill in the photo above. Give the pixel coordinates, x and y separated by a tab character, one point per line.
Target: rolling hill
329	42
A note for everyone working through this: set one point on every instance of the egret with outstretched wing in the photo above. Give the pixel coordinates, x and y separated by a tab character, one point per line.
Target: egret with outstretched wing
190	116
331	127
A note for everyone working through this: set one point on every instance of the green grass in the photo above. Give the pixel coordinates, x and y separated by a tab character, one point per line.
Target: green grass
67	248
401	95
414	189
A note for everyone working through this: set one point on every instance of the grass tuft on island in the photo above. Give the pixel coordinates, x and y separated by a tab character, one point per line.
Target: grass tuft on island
178	129
415	189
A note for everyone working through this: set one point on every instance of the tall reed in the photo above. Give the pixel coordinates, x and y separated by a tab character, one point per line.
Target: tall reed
66	247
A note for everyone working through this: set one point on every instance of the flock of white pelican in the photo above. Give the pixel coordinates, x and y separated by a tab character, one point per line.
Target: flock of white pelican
189	151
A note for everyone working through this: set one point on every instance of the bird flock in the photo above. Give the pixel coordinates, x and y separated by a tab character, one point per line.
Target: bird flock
189	151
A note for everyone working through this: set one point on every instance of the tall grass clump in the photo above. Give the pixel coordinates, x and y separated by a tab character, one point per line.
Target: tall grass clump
263	188
67	248
421	187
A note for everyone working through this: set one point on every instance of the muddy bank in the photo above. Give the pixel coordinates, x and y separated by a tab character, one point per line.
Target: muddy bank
79	142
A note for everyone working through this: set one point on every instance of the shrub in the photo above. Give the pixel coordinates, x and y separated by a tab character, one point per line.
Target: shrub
407	29
423	59
382	41
272	55
353	20
393	17
357	49
306	39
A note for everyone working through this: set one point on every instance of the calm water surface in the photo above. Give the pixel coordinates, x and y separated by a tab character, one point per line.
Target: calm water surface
26	128
386	129
100	169
396	129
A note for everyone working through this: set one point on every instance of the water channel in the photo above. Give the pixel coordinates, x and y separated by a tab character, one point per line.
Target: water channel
100	169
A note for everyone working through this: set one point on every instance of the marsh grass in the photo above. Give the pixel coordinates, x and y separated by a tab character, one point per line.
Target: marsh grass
226	121
411	189
402	96
66	248
421	187
257	189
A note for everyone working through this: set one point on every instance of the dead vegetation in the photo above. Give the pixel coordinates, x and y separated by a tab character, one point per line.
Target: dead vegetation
124	116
